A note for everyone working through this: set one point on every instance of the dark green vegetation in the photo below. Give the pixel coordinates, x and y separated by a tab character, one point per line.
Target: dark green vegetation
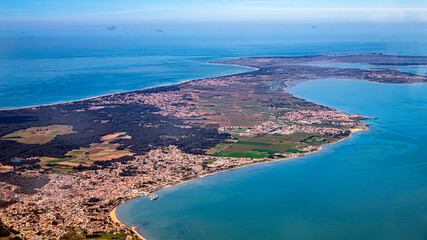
7	233
26	184
294	151
264	150
246	155
129	118
100	236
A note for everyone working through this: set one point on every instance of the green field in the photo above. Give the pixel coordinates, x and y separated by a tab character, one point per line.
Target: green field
103	151
266	145
217	149
294	151
38	135
262	146
254	143
247	155
264	150
320	139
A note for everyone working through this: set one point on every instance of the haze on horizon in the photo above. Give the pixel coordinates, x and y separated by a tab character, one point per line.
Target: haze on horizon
135	11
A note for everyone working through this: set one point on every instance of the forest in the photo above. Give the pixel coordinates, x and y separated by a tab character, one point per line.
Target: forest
91	125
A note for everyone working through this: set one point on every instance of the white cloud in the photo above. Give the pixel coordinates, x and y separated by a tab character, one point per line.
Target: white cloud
119	12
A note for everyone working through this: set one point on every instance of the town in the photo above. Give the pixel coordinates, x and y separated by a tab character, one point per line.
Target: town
79	203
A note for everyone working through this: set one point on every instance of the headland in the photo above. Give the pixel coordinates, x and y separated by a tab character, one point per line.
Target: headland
109	148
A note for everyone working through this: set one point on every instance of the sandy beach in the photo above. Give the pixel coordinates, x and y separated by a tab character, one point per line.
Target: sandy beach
114	218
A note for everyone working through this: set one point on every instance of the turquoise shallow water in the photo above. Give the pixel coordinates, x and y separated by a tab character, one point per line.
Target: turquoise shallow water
371	186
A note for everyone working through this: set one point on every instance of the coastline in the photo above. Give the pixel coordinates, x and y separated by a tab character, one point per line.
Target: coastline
134	229
113	217
186	81
229	64
289	84
250	69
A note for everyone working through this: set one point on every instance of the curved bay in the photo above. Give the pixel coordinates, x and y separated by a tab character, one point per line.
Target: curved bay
370	186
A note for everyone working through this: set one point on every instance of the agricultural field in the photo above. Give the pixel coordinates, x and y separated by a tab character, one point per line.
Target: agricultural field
38	135
5	168
102	151
217	149
232	106
266	145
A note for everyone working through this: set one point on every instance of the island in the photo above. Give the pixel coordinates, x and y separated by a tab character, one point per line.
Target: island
65	167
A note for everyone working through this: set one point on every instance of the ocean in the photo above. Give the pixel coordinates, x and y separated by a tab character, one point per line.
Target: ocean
51	66
370	186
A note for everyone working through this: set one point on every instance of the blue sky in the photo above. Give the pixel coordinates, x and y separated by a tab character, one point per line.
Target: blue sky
288	11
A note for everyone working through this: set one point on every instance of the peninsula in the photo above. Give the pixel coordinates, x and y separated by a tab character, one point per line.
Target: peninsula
65	167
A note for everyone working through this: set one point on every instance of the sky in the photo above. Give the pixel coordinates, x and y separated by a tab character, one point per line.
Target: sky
286	11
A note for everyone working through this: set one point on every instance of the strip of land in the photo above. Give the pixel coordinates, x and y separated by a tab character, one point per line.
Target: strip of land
65	167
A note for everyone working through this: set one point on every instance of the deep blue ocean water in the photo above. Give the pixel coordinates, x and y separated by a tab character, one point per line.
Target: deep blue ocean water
50	67
370	186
